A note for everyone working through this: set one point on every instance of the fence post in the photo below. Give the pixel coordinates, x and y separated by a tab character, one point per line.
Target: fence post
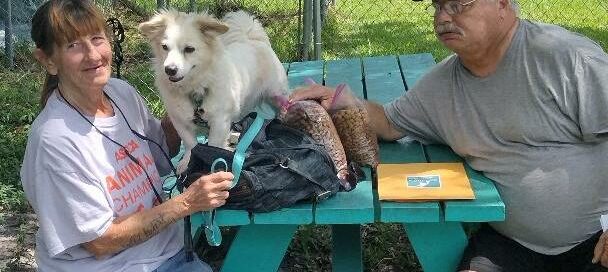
160	4
8	36
306	29
317	29
191	6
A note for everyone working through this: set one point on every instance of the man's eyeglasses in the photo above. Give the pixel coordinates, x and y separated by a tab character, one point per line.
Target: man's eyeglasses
450	7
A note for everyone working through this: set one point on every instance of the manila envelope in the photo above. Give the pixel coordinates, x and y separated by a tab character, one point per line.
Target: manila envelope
423	181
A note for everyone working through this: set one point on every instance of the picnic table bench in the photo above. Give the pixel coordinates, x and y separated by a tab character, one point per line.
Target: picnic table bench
434	228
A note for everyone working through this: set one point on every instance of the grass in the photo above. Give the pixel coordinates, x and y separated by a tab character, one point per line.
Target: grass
352	28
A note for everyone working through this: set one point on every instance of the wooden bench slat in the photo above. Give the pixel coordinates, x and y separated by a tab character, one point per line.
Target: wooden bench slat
226	217
414	66
383	81
299	71
487	205
346	71
297	214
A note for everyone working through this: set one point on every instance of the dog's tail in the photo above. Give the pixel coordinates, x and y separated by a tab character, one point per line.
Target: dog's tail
243	25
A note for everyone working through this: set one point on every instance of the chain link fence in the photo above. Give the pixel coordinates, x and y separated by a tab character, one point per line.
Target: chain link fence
349	27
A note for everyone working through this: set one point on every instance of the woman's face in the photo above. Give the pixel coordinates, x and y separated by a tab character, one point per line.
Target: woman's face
83	64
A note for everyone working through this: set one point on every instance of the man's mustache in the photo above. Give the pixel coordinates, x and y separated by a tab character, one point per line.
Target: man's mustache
447	28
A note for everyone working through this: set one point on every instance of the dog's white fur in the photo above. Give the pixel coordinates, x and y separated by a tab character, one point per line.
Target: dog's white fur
229	64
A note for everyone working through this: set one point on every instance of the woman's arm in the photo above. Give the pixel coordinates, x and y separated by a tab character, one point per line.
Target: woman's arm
206	193
171	136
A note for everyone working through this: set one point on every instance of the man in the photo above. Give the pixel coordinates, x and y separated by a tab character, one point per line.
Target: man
526	103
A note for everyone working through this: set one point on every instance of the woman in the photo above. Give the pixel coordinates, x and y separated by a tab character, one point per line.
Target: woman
93	160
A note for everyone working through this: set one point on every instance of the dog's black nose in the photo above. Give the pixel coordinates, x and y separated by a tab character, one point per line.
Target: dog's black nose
171	70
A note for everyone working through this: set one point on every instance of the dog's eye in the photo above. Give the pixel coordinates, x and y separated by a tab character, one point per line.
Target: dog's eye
165	47
189	49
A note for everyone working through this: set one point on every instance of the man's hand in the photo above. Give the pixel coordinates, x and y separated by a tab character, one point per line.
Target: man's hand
323	95
600	254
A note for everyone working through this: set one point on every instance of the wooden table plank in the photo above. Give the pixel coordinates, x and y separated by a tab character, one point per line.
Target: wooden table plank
356	206
384	83
406	151
487	205
300	213
286	67
346	71
414	66
383	79
299	71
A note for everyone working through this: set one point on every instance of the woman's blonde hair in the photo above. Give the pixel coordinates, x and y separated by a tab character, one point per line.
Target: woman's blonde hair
58	22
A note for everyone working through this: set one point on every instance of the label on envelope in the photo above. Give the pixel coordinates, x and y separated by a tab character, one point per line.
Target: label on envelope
430	181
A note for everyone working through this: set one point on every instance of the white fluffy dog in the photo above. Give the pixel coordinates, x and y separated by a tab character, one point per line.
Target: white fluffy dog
229	65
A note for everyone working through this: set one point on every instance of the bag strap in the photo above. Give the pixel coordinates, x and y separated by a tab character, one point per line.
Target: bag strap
241	147
213	233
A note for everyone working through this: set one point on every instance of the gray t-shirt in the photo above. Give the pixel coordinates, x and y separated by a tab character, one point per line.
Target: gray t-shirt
78	181
537	127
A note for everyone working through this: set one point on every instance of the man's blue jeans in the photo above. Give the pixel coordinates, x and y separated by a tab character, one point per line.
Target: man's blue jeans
178	263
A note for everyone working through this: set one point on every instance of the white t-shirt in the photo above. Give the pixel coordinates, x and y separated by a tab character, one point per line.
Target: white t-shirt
78	182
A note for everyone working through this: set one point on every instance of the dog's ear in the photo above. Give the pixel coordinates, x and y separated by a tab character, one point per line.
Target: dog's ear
211	26
154	27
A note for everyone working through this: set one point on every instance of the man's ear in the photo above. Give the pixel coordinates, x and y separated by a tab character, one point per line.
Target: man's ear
503	4
46	61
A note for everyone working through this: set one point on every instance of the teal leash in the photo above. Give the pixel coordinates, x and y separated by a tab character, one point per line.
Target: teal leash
212	230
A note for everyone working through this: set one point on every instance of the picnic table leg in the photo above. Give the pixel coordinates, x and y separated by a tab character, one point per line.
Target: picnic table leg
258	248
439	246
347	254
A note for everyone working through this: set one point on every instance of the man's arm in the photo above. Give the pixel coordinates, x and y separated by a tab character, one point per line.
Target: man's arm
325	96
206	193
171	137
380	124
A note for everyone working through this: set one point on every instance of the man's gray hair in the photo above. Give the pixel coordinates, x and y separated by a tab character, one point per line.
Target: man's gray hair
515	7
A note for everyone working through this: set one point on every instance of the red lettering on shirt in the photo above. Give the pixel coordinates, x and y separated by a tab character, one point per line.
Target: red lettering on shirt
112	184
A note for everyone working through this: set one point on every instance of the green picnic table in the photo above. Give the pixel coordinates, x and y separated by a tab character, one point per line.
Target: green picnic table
433	228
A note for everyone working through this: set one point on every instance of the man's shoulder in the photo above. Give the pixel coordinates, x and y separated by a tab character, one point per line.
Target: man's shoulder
438	73
558	40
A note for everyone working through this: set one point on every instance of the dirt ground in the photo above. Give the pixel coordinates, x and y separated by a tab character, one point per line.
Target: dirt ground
17	242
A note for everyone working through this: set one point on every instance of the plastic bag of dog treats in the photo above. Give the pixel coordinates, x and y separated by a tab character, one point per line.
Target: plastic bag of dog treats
352	123
310	117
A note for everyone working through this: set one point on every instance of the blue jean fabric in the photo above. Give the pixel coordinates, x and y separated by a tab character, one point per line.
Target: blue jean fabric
178	263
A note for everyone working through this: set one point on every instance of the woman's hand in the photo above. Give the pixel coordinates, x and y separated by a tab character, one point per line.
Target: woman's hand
600	254
208	192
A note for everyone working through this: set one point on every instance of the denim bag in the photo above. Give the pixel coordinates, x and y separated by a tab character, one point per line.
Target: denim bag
279	167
